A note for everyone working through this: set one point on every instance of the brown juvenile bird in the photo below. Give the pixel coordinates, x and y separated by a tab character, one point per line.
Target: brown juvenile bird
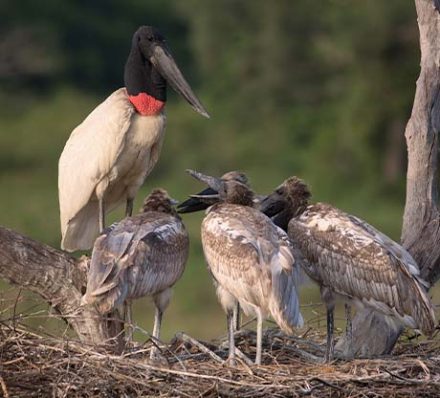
144	255
346	256
202	201
250	259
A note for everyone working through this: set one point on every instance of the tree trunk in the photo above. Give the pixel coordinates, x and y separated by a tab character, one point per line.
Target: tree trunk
61	280
372	336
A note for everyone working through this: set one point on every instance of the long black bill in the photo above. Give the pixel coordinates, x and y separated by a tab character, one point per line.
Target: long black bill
271	204
165	64
197	202
275	208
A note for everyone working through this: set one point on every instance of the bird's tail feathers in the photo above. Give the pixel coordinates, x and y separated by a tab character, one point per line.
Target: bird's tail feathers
81	231
284	302
425	315
418	308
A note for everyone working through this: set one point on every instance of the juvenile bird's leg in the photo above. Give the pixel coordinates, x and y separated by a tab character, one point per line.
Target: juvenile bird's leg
259	337
230	321
349	329
156	331
327	297
129	207
101	215
237	317
161	301
330	326
128	320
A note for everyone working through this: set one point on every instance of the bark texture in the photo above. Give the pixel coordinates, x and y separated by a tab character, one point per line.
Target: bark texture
372	336
60	280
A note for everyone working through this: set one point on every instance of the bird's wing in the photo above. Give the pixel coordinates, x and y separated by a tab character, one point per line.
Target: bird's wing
109	259
90	153
234	253
285	270
393	248
347	255
142	255
159	257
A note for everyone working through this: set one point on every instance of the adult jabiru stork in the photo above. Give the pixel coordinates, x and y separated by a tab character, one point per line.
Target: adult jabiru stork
348	257
250	259
109	155
144	255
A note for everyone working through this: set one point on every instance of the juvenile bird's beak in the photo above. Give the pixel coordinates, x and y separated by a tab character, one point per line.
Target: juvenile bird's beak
205	198
198	202
271	204
165	64
213	182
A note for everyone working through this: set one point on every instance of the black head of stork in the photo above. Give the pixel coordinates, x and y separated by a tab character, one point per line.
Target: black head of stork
149	67
287	201
208	196
226	191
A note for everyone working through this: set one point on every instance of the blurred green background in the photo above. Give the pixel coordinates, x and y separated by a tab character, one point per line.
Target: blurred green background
321	89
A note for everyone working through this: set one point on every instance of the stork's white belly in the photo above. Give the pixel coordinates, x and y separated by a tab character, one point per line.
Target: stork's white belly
142	145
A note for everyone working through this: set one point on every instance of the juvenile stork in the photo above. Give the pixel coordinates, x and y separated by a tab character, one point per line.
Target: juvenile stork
348	257
202	201
144	255
250	260
109	155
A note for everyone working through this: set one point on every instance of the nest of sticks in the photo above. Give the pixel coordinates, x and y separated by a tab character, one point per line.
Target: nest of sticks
35	365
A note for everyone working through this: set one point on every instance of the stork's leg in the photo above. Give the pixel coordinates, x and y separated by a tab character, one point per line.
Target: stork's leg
237	317
128	320
330	326
328	298
161	301
230	321
156	331
129	207
101	215
259	337
349	328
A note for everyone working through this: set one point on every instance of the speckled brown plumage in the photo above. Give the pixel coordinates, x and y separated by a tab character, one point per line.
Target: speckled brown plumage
139	256
243	251
250	259
350	257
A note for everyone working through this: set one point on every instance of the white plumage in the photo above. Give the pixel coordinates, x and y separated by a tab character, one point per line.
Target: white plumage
108	156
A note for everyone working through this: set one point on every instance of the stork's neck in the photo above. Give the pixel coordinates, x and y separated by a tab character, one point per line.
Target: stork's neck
146	88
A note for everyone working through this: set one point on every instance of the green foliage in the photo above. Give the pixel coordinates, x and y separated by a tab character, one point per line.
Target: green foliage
318	89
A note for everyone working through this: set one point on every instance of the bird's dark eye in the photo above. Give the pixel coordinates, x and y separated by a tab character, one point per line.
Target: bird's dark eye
150	38
280	191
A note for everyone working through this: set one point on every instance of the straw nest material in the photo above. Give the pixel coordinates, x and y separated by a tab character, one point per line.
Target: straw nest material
34	365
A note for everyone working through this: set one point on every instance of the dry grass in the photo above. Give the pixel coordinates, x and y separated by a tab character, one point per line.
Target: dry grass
34	365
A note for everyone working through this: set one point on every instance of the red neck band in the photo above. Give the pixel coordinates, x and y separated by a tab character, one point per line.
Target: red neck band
146	105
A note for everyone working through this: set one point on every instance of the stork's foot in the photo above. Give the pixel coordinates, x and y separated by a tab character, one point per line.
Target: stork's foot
329	354
231	361
154	353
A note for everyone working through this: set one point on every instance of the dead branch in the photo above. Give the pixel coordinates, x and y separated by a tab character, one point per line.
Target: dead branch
59	279
372	336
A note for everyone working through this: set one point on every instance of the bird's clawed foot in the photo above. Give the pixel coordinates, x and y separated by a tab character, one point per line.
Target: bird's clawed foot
231	361
329	354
